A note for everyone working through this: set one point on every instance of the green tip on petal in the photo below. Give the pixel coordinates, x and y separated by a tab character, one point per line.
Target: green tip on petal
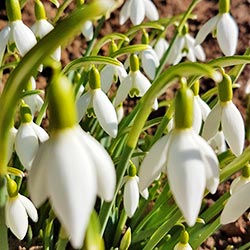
184	107
13	10
12	187
61	103
134	63
225	89
224	6
184	237
94	78
25	113
39	10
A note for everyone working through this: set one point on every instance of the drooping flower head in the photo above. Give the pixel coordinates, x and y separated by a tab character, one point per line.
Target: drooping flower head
189	162
71	168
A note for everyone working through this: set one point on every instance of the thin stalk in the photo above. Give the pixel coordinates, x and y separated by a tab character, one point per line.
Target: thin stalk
120	227
3	231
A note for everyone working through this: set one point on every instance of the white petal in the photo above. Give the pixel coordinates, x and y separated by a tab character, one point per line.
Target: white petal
160	47
105	112
57	54
199	53
87	30
194	51
125	12
211	165
107	77
175	54
71	184
140	82
144	193
41	28
35	103
23	36
227	34
153	163
197	117
150	10
82	104
205	109
237	204
17	217
237	183
26	144
131	196
208	27
11	142
186	173
180	246
218	142
4	37
233	128
105	170
149	62
212	123
137	11
123	90
30	208
40	132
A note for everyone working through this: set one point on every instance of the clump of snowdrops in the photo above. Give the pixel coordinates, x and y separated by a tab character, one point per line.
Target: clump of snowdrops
102	176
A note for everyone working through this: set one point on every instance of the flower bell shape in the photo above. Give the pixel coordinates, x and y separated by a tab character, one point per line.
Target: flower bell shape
131	192
226	115
137	10
17	210
42	27
71	168
28	138
239	200
189	162
135	84
183	243
16	31
88	30
185	46
103	108
225	28
160	47
201	109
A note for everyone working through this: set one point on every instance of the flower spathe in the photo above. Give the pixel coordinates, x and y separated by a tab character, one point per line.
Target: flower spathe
136	10
228	116
17	210
70	169
191	166
226	32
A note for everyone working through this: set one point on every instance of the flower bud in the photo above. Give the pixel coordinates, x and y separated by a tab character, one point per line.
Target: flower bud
25	113
134	63
224	6
225	90
12	187
184	237
13	10
184	107
94	78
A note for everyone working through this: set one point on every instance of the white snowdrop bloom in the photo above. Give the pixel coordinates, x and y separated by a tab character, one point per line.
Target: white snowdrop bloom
160	47
70	169
180	246
103	108
109	75
88	30
17	210
185	46
228	116
175	153
225	28
135	84
28	138
238	182
137	10
119	112
218	142
236	205
18	33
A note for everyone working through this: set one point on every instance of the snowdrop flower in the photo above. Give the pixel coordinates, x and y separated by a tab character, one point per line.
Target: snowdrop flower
35	101
103	108
136	10
239	200
17	210
71	167
218	142
185	46
225	28
183	243
201	109
16	31
28	138
190	163
131	191
42	27
88	30
160	47
226	115
135	84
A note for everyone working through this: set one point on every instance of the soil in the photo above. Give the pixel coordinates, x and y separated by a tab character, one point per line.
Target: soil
235	234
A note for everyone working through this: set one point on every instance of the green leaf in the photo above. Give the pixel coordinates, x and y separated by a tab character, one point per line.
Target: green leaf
129	50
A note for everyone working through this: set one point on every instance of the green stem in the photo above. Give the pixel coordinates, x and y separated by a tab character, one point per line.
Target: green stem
120	227
3	231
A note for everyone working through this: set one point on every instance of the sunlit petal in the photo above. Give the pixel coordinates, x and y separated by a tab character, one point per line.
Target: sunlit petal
140	82
125	12
150	10
137	11
107	77
82	104
87	30
160	47
30	208
4	37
